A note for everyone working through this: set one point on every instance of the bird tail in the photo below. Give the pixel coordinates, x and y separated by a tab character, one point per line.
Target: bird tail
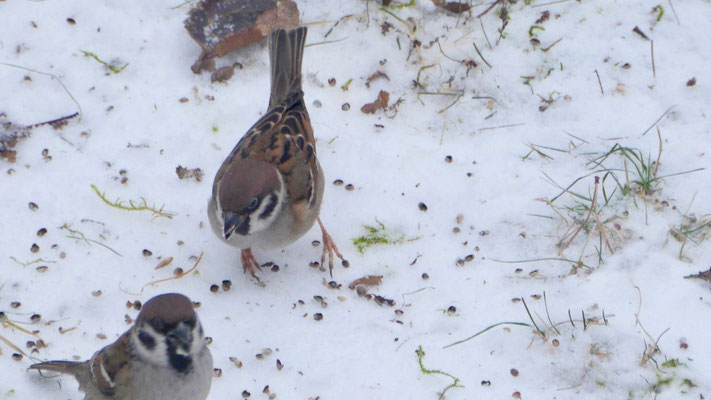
286	50
64	367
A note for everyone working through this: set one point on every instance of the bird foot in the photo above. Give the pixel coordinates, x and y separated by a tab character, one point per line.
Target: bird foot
249	262
329	247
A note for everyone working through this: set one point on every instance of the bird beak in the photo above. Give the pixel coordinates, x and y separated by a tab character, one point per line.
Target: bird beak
182	336
236	223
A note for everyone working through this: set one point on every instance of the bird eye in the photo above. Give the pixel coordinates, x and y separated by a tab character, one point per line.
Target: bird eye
253	205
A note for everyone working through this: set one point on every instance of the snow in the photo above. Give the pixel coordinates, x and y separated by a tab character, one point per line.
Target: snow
361	349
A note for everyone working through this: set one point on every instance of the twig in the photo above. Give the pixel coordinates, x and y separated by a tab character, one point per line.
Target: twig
599	82
674	11
485	35
654	70
531	317
485	330
53	77
489	8
549	4
482	57
657	121
545	303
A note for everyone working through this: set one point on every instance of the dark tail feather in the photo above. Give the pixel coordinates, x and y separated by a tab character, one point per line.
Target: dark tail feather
65	367
286	49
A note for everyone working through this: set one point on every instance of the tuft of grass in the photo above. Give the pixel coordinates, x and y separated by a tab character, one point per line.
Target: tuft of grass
455	381
78	235
691	229
140	205
378	234
113	66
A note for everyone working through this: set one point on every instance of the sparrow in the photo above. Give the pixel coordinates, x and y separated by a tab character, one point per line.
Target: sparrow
163	356
268	191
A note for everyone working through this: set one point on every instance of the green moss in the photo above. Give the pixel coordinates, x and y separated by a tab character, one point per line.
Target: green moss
377	235
113	66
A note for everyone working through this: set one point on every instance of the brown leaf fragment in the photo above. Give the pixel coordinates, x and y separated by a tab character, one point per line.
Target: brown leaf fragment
376	75
705	275
380	102
545	15
9	155
456	7
223	74
370	280
221	26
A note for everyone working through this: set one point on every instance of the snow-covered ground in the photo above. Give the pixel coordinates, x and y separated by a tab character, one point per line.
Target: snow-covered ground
523	128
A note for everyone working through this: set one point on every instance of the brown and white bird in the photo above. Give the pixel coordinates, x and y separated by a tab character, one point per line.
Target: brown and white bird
162	357
268	191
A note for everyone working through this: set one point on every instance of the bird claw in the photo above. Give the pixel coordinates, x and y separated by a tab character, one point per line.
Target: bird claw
249	262
329	247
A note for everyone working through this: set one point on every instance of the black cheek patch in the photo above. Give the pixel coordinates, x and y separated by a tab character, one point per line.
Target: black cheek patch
269	209
147	340
179	363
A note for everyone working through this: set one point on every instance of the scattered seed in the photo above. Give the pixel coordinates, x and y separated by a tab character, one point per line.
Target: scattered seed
129	304
226	285
236	362
399	312
317	103
164	262
338	182
460	262
626	66
217	372
214	288
350	187
183	100
451	310
345	107
137	305
484	233
315	243
15	304
314	264
691	82
456	230
42	232
555	343
448	159
460	218
425	276
42	268
422	206
279	365
485	383
40	344
16	356
516	395
469	258
332	81
178	271
101	336
361	290
266	390
71	21
34	248
683	345
245	394
208	339
318	316
345	263
514	372
30	344
96	293
62	255
275	268
35	318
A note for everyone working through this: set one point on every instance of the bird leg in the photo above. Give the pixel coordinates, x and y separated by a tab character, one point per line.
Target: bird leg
329	246
249	262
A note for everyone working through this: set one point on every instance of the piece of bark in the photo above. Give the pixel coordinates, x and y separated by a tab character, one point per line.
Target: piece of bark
220	26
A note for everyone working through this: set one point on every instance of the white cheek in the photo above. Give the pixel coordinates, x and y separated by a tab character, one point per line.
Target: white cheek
156	356
258	224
